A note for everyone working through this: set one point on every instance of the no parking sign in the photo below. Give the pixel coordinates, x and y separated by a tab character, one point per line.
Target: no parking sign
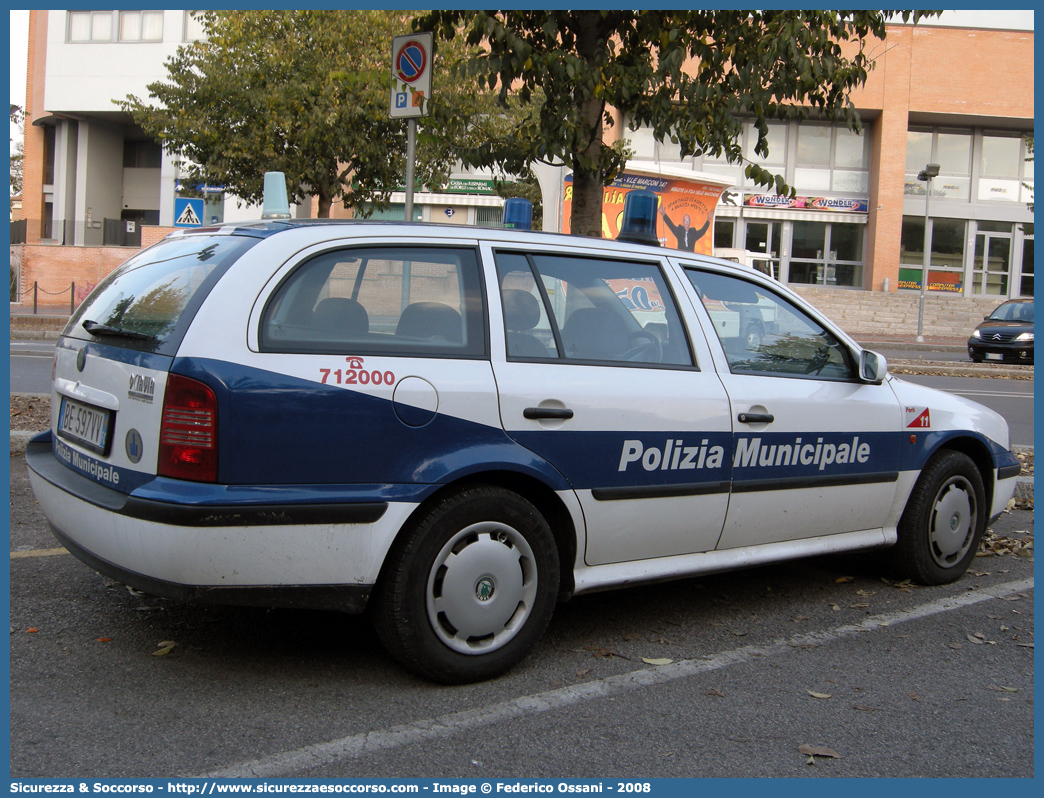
411	75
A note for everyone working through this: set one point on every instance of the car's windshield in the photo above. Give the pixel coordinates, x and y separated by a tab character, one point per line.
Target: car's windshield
1013	311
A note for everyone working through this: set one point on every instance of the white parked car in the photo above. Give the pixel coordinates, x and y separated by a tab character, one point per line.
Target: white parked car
456	428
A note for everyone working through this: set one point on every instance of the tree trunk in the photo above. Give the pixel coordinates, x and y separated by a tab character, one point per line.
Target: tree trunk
586	216
324	203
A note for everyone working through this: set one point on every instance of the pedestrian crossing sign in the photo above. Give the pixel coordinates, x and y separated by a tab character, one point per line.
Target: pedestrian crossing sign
188	212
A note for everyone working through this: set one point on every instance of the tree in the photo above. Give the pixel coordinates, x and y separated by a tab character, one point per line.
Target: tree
691	75
301	92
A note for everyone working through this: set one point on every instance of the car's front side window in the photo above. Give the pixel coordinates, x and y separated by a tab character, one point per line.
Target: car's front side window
764	333
589	309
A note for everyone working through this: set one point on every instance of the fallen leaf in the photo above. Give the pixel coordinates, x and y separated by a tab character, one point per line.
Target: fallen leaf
914	695
165	648
32	630
842	579
818	750
835	608
104	639
716	693
657	660
632	636
860	606
955	645
818	695
864	708
583	672
976	640
999	689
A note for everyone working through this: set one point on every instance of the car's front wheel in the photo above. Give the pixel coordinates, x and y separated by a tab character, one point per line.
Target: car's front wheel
468	591
943	523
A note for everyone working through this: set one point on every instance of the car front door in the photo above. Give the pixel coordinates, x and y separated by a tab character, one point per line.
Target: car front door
816	451
598	377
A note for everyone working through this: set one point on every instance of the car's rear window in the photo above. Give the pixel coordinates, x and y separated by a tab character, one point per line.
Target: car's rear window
149	301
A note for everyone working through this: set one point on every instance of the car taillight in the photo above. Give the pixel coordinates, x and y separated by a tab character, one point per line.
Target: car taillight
188	432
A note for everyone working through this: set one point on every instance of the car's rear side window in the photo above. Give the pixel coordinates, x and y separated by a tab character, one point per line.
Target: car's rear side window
380	300
149	301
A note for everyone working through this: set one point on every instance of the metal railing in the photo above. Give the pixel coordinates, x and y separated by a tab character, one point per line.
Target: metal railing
36	291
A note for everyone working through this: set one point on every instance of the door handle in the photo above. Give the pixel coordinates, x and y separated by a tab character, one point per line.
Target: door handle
547	412
755	418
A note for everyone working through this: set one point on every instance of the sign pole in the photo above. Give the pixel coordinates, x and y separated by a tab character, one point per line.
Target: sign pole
411	158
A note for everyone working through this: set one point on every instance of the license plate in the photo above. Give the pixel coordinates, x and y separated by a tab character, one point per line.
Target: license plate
994	356
86	425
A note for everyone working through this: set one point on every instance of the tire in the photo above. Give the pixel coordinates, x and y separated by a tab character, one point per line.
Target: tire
943	523
753	336
469	589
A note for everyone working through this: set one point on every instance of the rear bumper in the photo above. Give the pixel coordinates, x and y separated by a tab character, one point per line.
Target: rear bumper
325	556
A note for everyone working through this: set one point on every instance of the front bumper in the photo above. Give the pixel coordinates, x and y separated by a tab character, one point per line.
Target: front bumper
1013	352
304	556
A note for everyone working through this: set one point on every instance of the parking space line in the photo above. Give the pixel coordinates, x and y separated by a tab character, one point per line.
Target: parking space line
21	555
289	763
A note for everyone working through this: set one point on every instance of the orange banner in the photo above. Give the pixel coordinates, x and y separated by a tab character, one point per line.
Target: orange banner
686	209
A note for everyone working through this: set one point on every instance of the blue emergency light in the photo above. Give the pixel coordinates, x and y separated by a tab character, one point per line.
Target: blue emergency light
518	214
275	204
639	218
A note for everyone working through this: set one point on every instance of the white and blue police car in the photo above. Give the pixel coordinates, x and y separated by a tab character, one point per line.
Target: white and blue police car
455	428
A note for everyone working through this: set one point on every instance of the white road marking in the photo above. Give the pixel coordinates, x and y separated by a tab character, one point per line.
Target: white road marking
287	763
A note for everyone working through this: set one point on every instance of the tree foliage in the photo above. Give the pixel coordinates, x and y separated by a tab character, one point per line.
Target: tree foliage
301	92
692	76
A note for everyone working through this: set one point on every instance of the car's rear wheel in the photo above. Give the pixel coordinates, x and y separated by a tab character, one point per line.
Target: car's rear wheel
468	591
943	523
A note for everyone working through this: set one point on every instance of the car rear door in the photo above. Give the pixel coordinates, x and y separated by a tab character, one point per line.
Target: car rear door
596	374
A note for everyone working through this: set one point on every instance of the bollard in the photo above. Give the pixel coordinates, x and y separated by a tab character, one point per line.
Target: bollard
36	287
72	298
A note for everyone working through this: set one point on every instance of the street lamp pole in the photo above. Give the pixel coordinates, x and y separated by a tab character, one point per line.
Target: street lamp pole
925	175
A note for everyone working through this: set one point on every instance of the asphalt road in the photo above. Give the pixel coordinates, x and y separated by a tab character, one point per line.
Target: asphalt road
898	681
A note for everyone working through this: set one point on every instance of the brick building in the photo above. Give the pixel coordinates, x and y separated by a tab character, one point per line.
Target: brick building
957	92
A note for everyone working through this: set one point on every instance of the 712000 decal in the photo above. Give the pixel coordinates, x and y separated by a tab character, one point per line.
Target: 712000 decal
355	374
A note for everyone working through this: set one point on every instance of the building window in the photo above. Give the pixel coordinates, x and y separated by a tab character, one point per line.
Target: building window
831	158
90	26
724	232
827	254
1002	160
951	149
492	216
194	30
142	155
947	254
141	26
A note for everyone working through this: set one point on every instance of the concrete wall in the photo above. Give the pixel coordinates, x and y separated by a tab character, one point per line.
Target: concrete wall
865	314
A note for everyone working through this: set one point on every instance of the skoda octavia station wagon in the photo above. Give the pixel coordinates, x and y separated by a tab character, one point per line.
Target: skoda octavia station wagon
455	428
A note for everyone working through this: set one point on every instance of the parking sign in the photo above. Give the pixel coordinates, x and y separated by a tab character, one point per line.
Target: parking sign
411	75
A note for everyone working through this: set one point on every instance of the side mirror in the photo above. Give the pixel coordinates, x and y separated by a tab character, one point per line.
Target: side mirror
873	368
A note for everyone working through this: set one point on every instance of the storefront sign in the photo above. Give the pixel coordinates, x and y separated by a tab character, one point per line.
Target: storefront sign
944	282
842	204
